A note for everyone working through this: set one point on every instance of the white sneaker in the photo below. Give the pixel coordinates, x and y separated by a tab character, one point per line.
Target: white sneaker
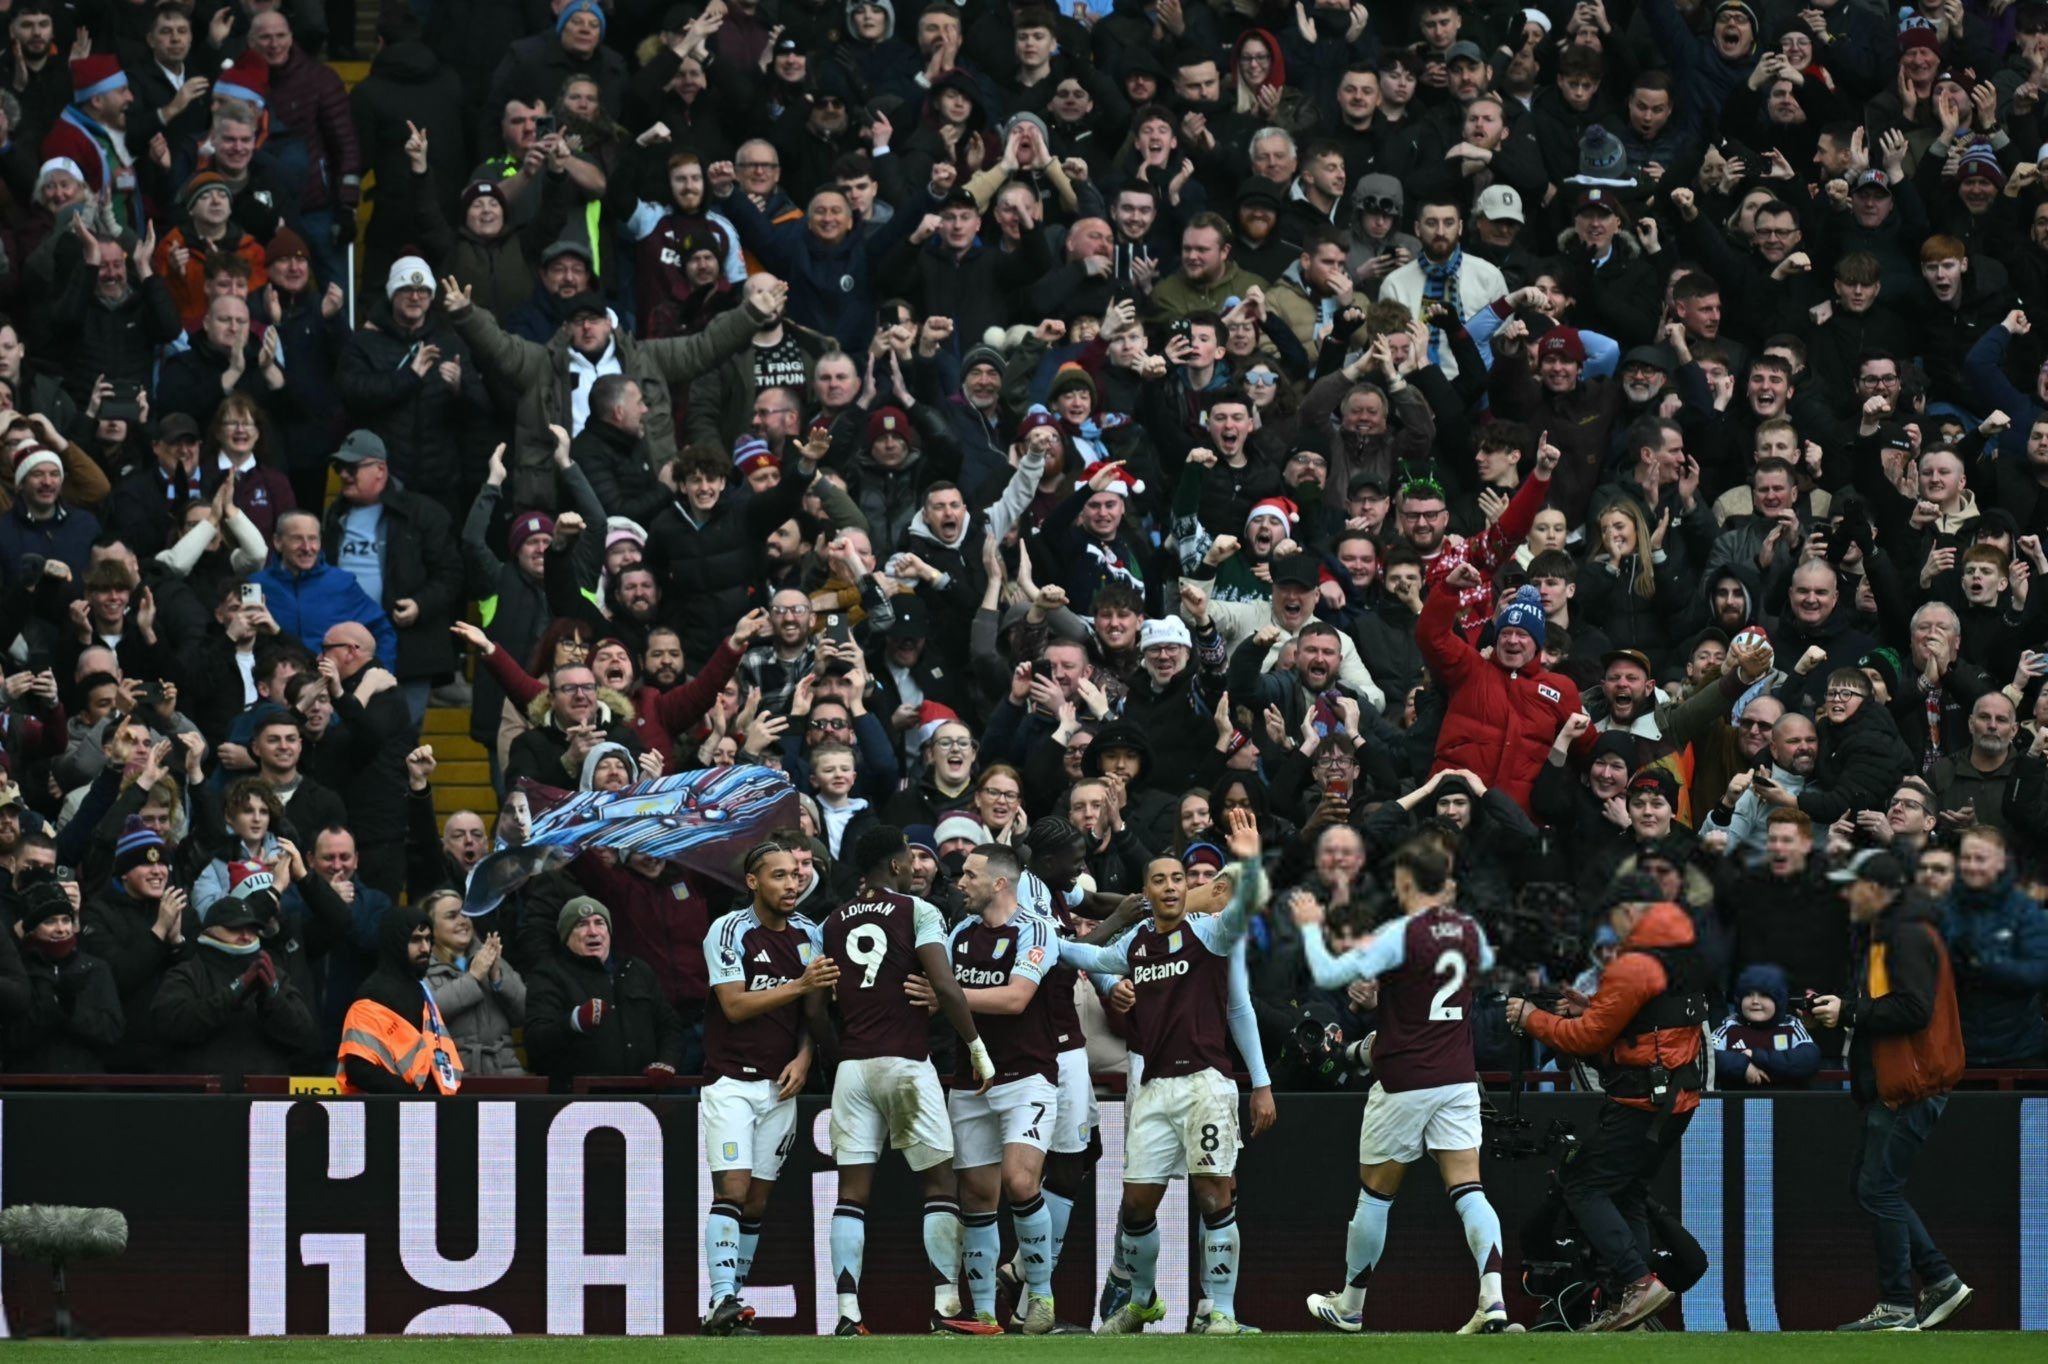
1328	1308
1490	1320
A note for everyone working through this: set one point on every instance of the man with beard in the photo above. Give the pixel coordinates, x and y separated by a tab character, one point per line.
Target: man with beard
945	548
788	655
664	713
1424	518
1772	782
1983	785
1628	702
92	132
1999	936
1268	626
975	415
393	1040
1445	275
1207	277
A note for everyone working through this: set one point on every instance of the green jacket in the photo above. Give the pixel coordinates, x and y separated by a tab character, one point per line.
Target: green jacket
542	377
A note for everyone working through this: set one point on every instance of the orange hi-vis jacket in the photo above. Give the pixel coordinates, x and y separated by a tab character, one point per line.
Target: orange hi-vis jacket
413	1052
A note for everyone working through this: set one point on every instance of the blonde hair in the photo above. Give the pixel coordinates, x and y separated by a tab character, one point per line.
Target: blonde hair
1644	584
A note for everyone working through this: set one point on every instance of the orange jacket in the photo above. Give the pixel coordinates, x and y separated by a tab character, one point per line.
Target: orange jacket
188	287
1630	981
416	1054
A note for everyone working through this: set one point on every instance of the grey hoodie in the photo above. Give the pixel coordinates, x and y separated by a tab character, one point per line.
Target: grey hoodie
592	758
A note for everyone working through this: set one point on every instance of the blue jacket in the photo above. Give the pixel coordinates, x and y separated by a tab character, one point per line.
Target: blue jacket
306	605
67	537
831	288
1998	940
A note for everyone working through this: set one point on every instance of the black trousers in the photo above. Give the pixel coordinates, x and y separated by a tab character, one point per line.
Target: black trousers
1606	1185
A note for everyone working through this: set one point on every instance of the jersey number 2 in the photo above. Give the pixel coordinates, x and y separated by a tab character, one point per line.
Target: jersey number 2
868	945
1451	966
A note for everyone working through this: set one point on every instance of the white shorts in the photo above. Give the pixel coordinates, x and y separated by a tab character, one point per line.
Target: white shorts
1181	1124
746	1127
1078	1114
1019	1113
1402	1126
890	1099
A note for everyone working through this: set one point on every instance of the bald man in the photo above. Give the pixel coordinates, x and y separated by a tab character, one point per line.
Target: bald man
307	595
369	771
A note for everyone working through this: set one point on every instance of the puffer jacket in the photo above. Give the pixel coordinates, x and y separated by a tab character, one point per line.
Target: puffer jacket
1497	724
305	605
73	1020
480	1017
1861	762
310	100
424	424
542	377
1631	980
1998	938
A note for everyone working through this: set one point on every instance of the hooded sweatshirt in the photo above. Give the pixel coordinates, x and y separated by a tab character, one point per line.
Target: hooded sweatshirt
1781	1048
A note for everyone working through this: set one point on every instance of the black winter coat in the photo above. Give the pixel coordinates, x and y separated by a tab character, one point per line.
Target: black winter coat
117	930
425	424
421	562
616	464
407	85
638	1029
711	571
120	341
74	1017
1861	763
210	1024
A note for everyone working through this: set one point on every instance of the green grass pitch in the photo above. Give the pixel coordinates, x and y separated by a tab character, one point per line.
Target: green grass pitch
1931	1348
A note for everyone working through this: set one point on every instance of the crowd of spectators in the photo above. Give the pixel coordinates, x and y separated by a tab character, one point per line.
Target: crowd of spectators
1609	435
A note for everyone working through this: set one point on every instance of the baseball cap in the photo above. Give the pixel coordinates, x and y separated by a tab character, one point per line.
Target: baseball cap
1500	203
1635	656
359	446
174	426
1465	50
1874	865
1871	179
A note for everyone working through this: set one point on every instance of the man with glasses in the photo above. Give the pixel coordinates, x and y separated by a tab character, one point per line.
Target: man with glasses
1423	518
578	720
1861	753
788	655
1774	778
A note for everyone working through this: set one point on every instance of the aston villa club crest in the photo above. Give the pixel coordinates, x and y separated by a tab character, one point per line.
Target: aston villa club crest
1173	941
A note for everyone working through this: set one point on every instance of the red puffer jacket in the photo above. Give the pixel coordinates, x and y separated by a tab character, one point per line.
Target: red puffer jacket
1498	724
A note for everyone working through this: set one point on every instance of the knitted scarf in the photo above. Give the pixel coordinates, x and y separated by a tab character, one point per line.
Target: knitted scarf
1440	285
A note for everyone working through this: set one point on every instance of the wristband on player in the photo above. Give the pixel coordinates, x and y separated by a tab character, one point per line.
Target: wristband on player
977	1052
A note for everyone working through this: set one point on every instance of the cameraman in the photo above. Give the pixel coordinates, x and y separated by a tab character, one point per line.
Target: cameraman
1642	1029
1905	1052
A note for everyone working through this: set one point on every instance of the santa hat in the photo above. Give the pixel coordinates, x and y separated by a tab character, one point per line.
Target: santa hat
750	454
1123	482
247	78
96	75
931	715
249	879
31	457
617	528
1281	509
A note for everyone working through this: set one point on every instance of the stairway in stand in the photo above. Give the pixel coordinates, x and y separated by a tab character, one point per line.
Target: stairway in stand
462	781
